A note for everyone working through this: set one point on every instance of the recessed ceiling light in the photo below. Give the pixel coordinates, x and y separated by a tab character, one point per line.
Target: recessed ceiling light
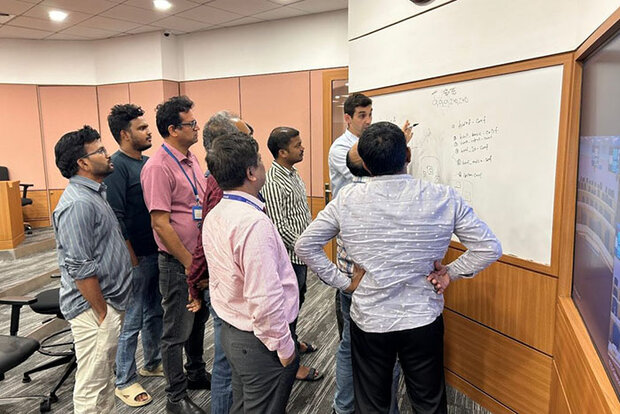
57	15
162	4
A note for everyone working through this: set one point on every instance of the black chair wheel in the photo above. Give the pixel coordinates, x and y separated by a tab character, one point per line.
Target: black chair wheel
53	398
46	406
26	379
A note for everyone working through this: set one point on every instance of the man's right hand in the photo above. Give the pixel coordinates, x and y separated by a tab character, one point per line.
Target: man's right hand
287	361
358	274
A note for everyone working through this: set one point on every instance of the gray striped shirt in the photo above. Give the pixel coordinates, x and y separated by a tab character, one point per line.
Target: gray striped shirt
287	205
90	243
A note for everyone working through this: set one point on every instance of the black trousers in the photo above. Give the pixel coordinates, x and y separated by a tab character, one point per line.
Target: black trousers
420	352
260	384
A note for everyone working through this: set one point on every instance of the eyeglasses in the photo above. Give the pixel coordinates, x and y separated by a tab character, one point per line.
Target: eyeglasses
101	150
189	124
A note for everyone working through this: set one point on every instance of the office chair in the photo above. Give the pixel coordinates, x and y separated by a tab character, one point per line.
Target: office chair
4	176
14	349
46	303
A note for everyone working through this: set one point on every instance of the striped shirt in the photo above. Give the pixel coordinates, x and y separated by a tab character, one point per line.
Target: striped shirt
395	227
287	205
90	243
343	261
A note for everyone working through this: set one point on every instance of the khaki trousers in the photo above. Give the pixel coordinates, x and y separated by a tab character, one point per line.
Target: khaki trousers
95	350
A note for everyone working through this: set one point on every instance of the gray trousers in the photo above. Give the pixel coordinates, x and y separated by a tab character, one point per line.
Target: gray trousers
261	385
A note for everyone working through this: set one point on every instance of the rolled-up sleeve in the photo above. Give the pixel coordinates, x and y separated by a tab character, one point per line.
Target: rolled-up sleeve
263	290
309	247
74	235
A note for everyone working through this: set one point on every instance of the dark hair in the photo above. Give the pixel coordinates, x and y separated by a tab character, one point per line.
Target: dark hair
383	148
168	113
279	139
357	170
70	148
229	158
222	123
120	117
354	100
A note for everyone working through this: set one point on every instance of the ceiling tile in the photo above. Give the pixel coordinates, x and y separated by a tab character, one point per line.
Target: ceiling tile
85	6
134	14
144	29
318	6
280	13
242	21
65	36
178	6
39	24
244	7
42	12
210	15
107	23
179	24
89	32
14	6
12	32
285	2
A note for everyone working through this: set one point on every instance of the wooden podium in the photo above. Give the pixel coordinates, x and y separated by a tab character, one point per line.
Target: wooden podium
11	216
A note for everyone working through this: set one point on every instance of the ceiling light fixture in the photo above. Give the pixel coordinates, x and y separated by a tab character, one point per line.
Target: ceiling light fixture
57	15
162	4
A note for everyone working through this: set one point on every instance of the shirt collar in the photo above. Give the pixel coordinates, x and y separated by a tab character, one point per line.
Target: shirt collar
178	154
390	177
247	196
351	135
283	169
87	182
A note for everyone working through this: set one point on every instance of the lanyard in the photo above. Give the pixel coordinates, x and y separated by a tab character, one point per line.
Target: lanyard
242	199
194	188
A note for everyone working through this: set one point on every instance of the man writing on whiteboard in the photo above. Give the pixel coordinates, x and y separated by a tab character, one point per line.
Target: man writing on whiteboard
396	228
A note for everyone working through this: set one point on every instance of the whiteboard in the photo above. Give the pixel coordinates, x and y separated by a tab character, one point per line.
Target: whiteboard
495	141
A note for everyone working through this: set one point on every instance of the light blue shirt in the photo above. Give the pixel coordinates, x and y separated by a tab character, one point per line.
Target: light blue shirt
395	227
90	243
339	174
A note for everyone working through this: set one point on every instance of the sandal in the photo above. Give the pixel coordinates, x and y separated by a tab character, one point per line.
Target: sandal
312	376
157	372
128	395
309	348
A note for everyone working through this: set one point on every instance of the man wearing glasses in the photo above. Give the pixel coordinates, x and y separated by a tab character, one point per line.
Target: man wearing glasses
173	185
94	264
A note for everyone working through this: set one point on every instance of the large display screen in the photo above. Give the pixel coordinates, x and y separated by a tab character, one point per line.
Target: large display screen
596	271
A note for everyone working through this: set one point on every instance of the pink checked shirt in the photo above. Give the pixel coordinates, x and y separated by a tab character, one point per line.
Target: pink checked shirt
166	188
251	281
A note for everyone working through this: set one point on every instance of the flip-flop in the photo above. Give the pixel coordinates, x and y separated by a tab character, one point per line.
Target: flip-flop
311	376
309	348
128	395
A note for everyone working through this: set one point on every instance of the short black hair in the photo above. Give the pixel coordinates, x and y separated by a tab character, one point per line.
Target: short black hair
229	158
221	123
279	139
357	170
168	113
120	117
354	100
383	148
70	148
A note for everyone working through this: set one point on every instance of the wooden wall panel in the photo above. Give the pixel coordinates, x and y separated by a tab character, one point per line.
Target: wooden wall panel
514	374
107	97
315	146
559	402
517	302
585	381
11	218
37	214
54	198
211	96
148	95
64	109
316	204
477	395
283	99
20	135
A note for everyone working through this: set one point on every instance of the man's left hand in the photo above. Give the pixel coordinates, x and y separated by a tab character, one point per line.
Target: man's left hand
202	284
439	278
193	304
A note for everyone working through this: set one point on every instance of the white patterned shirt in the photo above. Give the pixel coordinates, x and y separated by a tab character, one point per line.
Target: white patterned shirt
395	227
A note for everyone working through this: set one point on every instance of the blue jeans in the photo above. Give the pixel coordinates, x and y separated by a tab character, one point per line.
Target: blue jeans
344	397
144	313
221	374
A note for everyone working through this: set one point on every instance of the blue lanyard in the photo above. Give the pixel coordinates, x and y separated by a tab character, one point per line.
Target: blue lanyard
242	199
194	188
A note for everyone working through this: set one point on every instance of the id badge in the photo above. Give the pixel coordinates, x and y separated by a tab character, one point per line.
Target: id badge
197	213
